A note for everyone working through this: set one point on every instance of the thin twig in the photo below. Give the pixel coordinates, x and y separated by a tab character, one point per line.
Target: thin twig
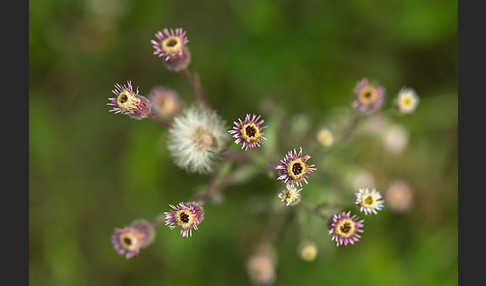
196	87
155	118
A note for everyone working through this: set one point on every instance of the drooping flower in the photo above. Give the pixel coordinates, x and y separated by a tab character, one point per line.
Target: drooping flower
325	137
344	228
369	201
196	138
308	250
171	46
249	132
165	102
290	196
407	100
369	97
294	168
399	196
129	102
186	215
261	266
129	240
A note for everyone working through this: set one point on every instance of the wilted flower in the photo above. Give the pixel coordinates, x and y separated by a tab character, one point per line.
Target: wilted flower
290	196
407	100
186	215
325	137
131	239
165	102
344	229
395	138
369	201
249	132
261	266
294	168
196	138
399	196
128	102
369	97
171	45
308	250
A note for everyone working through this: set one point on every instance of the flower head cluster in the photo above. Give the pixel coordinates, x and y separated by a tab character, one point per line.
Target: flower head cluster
369	97
129	240
171	46
344	228
294	168
196	138
369	201
249	132
165	102
290	196
129	102
186	215
407	100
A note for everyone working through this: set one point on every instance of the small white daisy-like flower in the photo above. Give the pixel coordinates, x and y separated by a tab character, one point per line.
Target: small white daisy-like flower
395	138
369	201
325	137
196	138
290	196
407	100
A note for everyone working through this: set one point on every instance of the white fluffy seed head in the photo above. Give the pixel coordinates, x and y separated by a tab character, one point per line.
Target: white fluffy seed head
196	139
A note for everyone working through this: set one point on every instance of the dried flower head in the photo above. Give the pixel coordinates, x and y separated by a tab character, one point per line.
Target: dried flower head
369	97
171	45
164	101
186	215
308	250
129	102
294	168
290	196
249	132
344	228
399	196
325	137
129	240
407	100
261	266
196	138
369	201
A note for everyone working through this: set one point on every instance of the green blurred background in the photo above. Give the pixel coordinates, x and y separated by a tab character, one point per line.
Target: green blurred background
91	171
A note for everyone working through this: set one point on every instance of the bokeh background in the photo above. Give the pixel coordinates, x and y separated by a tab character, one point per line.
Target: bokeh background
91	171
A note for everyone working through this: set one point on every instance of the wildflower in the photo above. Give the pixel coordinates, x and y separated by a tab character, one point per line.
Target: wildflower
369	201
128	102
325	137
395	138
369	97
249	132
308	250
196	138
261	266
171	46
344	228
399	196
165	102
407	100
186	215
290	196
294	168
131	239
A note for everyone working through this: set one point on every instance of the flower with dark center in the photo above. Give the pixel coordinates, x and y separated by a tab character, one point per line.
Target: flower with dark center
186	215
369	97
171	45
131	239
248	132
344	228
129	102
369	201
290	196
294	169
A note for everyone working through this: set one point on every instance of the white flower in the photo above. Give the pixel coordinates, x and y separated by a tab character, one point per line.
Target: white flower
290	196
308	251
395	138
325	137
407	100
196	138
369	201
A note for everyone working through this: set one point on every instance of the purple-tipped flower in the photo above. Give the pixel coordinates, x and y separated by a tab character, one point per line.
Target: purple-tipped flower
164	101
171	46
129	240
344	228
249	132
294	168
186	215
128	102
369	97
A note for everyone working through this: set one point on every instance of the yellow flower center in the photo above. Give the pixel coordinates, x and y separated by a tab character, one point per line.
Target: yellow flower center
345	227
296	169
309	252
368	95
250	132
203	139
166	105
126	100
129	241
172	45
368	201
184	218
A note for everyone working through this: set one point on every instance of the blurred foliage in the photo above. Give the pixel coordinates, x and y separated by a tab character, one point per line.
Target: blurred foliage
91	171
